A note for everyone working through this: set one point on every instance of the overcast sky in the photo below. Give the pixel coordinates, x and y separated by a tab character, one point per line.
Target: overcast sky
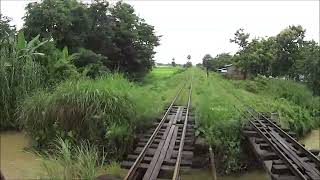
201	27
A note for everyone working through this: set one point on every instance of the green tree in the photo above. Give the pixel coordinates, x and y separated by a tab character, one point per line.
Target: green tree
135	41
309	65
217	62
64	21
5	29
206	60
289	42
90	64
221	60
257	57
241	38
101	36
116	32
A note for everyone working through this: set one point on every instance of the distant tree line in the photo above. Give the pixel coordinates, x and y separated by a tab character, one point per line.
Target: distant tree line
287	55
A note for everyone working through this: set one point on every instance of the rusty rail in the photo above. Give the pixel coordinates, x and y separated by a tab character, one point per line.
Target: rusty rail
177	166
286	147
166	146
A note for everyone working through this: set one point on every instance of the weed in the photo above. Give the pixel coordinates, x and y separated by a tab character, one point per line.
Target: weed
71	162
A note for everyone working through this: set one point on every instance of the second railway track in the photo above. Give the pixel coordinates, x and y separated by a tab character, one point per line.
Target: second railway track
166	148
284	157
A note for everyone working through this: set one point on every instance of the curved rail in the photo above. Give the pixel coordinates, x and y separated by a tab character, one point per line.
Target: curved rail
135	166
178	162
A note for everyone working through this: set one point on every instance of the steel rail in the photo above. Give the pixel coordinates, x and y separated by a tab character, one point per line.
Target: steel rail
176	173
293	168
139	159
296	143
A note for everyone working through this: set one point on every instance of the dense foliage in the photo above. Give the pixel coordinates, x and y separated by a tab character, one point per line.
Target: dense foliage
125	40
218	62
66	40
285	55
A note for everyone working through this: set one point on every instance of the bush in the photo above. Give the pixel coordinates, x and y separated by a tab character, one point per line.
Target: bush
105	111
91	64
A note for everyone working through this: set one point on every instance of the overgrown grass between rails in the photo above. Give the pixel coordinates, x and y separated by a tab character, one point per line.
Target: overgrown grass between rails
219	107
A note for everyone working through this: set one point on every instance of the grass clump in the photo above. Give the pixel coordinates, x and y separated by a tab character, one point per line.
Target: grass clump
71	162
105	112
114	169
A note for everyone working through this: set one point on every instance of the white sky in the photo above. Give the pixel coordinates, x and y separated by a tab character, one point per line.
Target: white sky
200	27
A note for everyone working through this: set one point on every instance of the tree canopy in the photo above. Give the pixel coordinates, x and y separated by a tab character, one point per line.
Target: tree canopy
285	55
125	40
217	62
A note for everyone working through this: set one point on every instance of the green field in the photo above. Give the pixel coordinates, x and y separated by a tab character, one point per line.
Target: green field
165	71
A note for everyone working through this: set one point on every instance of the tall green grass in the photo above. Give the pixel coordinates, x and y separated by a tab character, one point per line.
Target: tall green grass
103	111
107	112
19	75
71	162
220	104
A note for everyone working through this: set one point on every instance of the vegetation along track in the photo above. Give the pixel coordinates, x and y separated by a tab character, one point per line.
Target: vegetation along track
167	148
283	156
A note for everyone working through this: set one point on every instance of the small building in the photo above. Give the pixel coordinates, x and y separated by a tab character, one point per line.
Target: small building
231	71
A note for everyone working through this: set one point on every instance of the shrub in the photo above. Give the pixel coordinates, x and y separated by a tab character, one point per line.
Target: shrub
91	64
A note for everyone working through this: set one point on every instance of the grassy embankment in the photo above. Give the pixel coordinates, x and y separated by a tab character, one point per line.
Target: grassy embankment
220	102
105	113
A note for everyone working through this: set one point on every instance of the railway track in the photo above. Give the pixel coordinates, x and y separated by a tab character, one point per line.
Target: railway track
165	149
283	157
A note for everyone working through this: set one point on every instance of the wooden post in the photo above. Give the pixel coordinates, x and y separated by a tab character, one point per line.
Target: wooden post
213	167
